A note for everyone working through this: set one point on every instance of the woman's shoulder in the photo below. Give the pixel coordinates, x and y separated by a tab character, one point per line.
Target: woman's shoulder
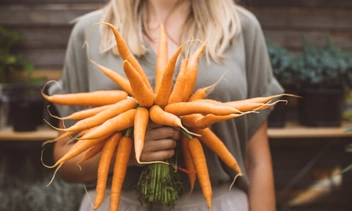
84	23
249	21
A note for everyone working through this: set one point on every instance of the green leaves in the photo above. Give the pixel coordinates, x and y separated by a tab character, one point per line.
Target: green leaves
283	64
159	184
327	65
11	62
314	65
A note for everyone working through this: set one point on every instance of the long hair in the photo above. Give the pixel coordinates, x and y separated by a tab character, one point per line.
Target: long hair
212	20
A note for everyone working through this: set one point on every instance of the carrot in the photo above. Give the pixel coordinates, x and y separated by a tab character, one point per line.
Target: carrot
200	163
245	105
126	53
216	103
202	93
190	120
112	111
78	148
94	150
184	108
119	172
82	114
201	121
214	143
188	161
162	58
117	123
165	88
192	72
94	98
267	99
143	95
114	76
62	136
140	125
103	168
177	91
159	116
117	78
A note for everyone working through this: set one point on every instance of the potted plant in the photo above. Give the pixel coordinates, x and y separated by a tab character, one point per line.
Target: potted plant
323	75
22	105
284	68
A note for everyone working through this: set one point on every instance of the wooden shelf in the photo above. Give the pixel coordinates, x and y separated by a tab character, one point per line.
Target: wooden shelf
291	130
41	134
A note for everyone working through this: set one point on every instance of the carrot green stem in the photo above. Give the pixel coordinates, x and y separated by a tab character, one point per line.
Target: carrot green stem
159	184
189	136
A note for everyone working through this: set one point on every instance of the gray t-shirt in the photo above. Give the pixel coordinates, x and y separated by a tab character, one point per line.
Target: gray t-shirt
248	74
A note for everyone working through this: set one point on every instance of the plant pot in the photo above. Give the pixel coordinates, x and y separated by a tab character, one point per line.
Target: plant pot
321	106
277	117
27	114
25	106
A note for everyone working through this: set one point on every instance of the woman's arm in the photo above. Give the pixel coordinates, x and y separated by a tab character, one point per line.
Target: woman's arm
260	173
159	145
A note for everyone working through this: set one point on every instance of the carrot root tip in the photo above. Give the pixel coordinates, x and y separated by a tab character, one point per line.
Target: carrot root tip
234	180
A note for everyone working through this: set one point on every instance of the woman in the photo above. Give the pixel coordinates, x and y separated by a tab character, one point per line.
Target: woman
236	47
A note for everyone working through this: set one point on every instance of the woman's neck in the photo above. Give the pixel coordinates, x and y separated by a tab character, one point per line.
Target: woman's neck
161	10
172	14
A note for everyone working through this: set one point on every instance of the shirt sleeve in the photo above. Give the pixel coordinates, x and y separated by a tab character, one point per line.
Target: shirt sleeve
261	81
74	77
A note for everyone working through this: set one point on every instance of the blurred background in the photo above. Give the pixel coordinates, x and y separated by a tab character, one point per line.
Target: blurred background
310	46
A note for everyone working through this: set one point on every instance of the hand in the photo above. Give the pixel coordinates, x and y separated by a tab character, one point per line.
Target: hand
159	143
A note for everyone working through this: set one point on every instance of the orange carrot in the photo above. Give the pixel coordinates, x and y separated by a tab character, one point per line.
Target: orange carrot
190	120
165	88
94	150
82	114
78	148
103	168
210	119
216	103
184	108
266	99
200	163
202	93
94	98
201	121
159	116
192	72
114	76
117	123
188	161
119	172
162	58
140	125
126	53
117	78
245	105
143	95
214	143
177	91
112	111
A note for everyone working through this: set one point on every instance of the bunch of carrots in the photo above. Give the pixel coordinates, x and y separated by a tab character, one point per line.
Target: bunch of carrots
118	119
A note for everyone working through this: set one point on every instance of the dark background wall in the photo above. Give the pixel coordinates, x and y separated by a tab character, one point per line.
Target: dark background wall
298	163
46	24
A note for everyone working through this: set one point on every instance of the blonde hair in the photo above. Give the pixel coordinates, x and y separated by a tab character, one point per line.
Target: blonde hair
212	20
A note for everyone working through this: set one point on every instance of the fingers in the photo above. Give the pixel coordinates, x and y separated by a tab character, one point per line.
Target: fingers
159	144
162	133
157	156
